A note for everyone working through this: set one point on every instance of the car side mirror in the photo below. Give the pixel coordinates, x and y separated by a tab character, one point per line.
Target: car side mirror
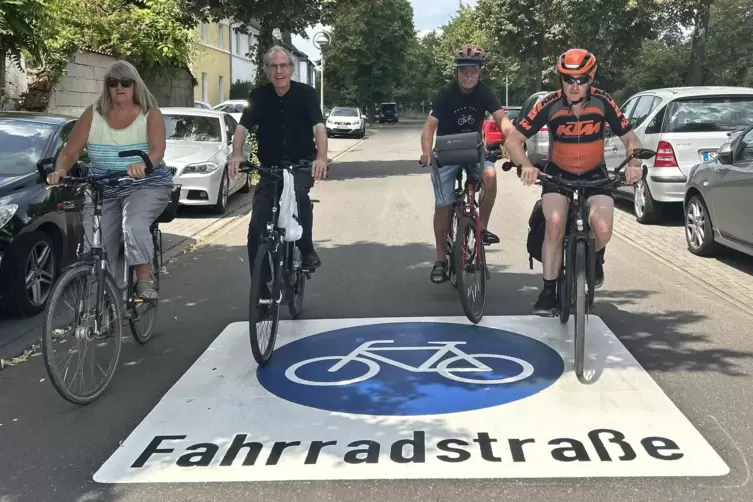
326	115
364	117
724	155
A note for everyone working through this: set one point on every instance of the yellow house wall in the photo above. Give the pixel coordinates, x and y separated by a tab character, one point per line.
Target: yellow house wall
213	61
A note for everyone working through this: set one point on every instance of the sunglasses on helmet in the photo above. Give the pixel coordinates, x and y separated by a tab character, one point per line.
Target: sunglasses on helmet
569	79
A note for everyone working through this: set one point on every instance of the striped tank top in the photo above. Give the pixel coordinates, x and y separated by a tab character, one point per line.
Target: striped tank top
105	143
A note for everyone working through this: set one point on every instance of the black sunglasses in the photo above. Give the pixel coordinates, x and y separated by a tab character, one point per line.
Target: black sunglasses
125	82
569	79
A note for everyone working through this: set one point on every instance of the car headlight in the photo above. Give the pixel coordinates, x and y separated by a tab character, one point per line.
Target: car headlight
202	168
6	213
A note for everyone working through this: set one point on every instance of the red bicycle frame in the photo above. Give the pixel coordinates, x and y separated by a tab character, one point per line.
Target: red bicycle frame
465	205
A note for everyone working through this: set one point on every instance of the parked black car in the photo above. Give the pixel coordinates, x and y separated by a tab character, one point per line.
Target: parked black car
387	113
40	227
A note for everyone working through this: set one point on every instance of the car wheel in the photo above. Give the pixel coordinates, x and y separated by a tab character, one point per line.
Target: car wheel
36	273
699	233
222	196
645	208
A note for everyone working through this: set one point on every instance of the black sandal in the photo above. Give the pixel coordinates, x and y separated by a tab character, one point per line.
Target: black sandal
439	272
488	238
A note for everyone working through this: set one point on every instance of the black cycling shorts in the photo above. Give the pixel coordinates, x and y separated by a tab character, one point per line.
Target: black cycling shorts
598	173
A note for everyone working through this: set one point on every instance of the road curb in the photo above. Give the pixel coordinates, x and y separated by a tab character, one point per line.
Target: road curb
692	278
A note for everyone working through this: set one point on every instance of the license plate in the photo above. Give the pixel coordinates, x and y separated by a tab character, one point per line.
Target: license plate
708	155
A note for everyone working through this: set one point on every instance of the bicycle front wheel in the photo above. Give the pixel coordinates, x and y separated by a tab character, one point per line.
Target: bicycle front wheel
297	286
70	326
580	306
470	267
263	312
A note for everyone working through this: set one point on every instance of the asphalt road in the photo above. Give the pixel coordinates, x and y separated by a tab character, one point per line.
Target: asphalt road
373	233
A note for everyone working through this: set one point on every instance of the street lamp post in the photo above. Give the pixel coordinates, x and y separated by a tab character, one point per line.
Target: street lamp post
321	40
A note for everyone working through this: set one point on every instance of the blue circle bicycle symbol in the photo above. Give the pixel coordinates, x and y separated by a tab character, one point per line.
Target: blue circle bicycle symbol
411	368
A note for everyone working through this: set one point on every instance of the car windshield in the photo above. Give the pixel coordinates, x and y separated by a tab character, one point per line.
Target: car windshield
345	112
511	114
388	107
193	128
22	145
709	114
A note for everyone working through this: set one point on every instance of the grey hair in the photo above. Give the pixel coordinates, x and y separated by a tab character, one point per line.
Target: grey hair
278	48
141	95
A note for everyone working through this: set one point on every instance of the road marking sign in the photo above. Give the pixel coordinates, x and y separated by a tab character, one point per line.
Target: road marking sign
412	398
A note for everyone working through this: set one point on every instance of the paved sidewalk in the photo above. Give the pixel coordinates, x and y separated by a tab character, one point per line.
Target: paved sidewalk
730	275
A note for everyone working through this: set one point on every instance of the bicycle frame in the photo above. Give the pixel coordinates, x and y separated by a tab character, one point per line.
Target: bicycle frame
465	203
578	228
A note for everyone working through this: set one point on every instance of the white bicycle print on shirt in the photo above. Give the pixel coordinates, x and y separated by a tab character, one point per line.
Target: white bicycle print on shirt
466	119
366	354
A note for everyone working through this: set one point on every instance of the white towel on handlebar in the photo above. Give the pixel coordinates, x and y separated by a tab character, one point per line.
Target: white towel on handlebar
289	209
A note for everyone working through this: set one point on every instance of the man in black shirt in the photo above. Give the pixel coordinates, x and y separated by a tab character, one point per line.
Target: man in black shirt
287	117
460	107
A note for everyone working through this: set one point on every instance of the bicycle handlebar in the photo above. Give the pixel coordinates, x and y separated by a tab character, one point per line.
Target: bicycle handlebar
247	166
110	178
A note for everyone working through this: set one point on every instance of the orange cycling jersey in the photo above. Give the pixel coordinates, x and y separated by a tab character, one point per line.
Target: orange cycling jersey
576	144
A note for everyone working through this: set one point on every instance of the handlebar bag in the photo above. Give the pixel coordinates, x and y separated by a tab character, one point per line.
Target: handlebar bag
459	149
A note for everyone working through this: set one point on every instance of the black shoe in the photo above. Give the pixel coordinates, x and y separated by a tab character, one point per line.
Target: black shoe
488	238
310	260
547	302
599	269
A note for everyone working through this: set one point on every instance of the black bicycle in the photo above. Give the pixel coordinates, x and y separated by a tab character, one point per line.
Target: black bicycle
575	284
288	276
92	301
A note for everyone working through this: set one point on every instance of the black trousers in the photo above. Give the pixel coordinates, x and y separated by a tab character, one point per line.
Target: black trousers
261	213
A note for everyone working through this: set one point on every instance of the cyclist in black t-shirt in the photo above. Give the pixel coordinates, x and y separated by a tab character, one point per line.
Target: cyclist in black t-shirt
460	107
288	119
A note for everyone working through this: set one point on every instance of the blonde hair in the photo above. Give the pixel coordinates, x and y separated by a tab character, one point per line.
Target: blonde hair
141	95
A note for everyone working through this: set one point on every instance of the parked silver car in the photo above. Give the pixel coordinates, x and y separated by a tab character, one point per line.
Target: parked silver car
685	126
199	143
537	146
718	199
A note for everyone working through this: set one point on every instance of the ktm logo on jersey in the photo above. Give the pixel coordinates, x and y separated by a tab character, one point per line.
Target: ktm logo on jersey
524	123
585	128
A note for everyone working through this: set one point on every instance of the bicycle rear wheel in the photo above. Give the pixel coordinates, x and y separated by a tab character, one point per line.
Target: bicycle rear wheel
69	324
470	268
580	306
264	318
297	285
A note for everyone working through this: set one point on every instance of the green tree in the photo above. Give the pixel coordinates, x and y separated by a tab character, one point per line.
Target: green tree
20	30
366	61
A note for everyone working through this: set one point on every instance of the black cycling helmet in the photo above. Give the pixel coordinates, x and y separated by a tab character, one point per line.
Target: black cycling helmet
470	55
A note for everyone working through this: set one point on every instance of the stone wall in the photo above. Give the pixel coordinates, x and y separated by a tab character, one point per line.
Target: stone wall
83	82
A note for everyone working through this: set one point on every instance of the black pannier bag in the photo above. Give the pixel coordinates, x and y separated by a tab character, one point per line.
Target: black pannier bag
462	148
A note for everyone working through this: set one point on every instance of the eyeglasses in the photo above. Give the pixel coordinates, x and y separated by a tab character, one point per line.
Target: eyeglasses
569	79
282	66
125	82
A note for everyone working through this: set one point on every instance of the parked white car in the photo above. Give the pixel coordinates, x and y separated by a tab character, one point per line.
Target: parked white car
232	106
685	126
346	121
199	143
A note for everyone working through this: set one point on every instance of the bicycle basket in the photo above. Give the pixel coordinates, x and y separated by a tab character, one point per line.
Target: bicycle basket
171	211
459	149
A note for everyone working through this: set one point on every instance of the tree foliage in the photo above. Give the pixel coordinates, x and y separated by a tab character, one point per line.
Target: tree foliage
370	52
20	31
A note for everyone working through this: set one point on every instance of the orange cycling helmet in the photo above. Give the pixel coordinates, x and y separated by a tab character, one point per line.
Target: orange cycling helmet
577	62
470	55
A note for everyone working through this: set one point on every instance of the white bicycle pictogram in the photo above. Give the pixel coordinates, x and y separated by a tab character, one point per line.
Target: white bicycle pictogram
466	119
366	354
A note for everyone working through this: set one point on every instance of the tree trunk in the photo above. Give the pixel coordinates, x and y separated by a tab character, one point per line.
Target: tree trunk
2	80
266	40
700	37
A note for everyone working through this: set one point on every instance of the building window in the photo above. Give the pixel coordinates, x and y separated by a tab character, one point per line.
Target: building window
221	37
204	90
222	88
237	42
203	32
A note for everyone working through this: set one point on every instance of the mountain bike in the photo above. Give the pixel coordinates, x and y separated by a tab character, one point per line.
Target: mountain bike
288	276
575	284
98	302
464	246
